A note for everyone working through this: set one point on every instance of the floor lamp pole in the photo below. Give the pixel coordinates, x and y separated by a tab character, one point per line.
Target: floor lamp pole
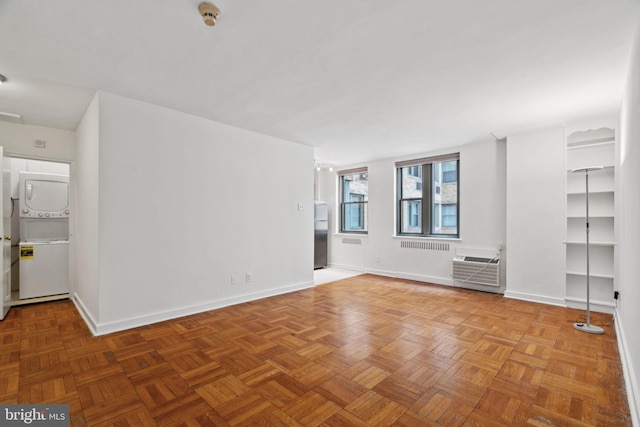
587	327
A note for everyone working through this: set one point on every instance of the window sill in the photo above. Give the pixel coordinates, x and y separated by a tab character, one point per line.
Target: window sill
439	239
351	234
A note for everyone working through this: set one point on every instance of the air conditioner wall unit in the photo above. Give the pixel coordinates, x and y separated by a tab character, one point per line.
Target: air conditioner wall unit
478	270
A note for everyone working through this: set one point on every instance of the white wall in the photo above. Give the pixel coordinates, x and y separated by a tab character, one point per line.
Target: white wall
18	140
628	231
183	204
536	215
84	236
482	205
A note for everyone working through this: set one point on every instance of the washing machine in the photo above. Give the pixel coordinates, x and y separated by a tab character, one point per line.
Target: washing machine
44	269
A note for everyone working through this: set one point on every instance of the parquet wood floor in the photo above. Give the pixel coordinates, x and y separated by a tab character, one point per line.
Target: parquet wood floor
365	351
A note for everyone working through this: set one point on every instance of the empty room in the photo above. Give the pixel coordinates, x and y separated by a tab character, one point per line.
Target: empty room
352	213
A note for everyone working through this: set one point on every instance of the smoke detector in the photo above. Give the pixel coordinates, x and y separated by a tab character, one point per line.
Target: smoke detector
209	13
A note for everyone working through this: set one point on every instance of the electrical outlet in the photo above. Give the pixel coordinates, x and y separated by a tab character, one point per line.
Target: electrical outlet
248	277
616	294
234	279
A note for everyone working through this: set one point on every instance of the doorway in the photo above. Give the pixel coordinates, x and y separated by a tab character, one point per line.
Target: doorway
39	204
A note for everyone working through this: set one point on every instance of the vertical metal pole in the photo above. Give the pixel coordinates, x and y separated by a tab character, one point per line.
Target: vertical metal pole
586	176
587	327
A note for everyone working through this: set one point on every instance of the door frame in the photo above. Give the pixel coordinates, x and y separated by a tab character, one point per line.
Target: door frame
72	184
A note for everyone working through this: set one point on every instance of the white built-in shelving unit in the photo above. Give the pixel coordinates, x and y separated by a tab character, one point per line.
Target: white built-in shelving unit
586	149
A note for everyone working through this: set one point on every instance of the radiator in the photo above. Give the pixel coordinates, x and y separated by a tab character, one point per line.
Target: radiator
482	271
433	246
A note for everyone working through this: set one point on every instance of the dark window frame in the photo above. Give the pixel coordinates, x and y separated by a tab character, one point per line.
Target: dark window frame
363	205
427	226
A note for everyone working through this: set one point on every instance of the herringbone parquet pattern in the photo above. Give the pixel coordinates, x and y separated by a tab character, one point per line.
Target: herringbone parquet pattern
364	351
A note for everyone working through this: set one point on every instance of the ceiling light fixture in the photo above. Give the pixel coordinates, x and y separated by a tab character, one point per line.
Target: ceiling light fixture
10	117
320	166
2	79
209	13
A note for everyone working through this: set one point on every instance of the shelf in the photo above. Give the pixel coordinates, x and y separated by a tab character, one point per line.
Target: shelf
590	145
600	204
585	149
602	306
580	273
600	288
604	167
604	196
601	229
602	180
601	258
582	193
574	242
591	155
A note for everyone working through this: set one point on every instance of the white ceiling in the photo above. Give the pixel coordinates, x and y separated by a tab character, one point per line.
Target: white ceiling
357	79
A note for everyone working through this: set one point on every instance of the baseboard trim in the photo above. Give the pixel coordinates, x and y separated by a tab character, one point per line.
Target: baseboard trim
84	313
447	281
134	322
347	267
411	276
594	305
384	273
631	386
535	298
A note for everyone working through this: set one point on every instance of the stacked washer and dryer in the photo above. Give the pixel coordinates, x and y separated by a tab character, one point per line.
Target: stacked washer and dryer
44	234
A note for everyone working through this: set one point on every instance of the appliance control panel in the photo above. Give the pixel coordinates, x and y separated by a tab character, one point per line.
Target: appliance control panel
30	213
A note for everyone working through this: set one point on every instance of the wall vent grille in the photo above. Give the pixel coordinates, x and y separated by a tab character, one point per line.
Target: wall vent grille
351	241
432	246
482	271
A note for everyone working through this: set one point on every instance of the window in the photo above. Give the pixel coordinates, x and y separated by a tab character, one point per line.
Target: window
354	197
429	206
449	215
436	216
415	171
414	214
449	172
